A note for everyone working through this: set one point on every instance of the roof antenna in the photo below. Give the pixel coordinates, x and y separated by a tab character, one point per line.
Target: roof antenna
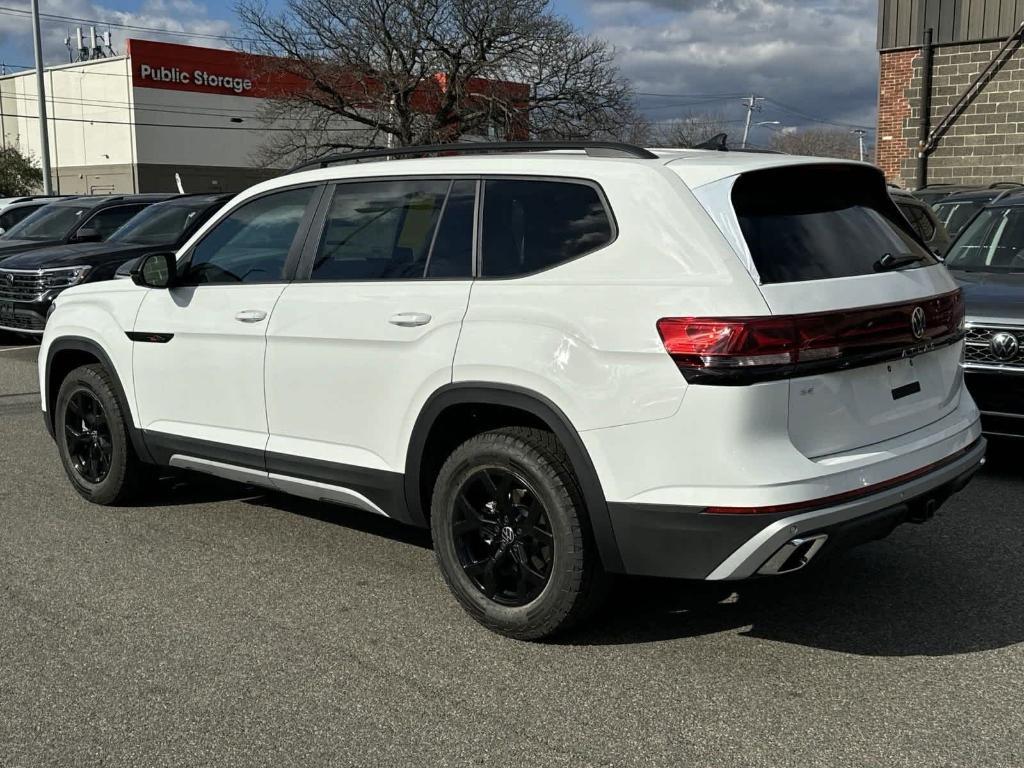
719	142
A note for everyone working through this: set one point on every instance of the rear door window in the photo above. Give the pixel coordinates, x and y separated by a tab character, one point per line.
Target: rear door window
530	225
821	222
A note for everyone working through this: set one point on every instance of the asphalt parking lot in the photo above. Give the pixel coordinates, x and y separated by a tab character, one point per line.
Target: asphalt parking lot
222	626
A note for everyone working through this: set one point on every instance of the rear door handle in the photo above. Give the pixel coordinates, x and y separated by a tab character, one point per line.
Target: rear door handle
410	319
251	316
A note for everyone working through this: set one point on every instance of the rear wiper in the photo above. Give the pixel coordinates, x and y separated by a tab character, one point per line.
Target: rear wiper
889	262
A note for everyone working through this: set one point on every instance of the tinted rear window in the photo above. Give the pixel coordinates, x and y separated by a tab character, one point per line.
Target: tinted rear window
821	222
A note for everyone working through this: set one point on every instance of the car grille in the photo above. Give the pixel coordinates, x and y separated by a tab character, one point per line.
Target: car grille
981	351
22	320
21	286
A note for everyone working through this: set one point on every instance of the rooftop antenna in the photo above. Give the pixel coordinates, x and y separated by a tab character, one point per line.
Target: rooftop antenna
83	51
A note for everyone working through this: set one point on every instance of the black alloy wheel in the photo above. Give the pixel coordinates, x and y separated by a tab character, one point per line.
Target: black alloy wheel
503	537
87	436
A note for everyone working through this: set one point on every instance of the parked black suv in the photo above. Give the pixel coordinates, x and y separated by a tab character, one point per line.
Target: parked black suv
79	220
30	281
988	262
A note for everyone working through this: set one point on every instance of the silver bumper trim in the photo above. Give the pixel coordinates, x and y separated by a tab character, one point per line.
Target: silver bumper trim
746	560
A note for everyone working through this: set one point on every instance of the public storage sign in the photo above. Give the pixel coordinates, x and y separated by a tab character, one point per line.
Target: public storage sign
206	70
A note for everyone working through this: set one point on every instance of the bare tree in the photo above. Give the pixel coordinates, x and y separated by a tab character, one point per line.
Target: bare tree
817	142
689	130
407	72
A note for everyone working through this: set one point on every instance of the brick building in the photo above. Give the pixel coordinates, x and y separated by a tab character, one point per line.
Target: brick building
982	141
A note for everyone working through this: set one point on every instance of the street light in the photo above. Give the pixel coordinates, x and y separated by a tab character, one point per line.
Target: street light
746	132
860	133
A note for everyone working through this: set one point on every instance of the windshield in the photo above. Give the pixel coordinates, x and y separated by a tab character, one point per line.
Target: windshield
159	224
54	222
957	215
993	242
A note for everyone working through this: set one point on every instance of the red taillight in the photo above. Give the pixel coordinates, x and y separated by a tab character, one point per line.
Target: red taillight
761	348
734	343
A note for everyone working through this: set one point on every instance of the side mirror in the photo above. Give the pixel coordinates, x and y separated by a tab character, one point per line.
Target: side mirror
88	235
155	270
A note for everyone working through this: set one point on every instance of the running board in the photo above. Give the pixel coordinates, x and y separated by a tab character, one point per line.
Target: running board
296	486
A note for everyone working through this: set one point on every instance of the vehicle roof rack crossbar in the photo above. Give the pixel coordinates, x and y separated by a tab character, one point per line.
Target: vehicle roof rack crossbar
592	148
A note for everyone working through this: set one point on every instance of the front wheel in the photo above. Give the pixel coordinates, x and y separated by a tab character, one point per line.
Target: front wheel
511	534
92	437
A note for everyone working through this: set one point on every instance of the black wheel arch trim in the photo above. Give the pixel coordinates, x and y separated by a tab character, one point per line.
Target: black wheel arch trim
539	406
82	344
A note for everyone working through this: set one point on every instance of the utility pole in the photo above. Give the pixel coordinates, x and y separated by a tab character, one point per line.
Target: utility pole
754	102
860	133
44	137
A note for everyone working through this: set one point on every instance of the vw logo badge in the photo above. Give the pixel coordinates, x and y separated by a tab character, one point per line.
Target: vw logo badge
1004	346
507	535
10	279
917	323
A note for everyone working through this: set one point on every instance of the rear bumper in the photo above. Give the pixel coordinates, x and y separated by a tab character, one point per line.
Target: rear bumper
684	542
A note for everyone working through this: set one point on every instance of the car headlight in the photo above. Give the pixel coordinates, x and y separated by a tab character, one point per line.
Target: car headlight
63	277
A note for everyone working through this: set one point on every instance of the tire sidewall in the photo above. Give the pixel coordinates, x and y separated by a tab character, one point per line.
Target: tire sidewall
87	379
467	460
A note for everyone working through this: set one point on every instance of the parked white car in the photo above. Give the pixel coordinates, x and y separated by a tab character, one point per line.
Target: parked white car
691	364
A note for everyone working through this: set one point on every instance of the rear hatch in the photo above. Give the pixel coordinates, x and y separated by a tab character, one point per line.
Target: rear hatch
878	320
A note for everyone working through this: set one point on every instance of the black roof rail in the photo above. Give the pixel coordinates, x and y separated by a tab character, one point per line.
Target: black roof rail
592	148
1005	185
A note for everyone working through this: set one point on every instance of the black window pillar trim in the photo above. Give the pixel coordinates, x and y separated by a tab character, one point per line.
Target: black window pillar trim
485	393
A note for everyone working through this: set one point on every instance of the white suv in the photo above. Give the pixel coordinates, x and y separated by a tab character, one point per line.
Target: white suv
599	359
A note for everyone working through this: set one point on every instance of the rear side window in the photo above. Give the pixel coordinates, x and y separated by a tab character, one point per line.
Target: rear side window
530	225
821	222
397	230
919	220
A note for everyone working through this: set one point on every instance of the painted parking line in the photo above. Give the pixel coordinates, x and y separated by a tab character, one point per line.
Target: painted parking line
15	349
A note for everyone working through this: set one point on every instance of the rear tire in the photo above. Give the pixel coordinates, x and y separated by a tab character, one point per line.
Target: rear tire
512	537
92	437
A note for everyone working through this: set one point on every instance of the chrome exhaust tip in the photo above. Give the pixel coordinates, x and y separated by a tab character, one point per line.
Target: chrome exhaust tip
793	555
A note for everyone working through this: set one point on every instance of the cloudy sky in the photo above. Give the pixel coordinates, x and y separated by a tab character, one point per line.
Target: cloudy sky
813	60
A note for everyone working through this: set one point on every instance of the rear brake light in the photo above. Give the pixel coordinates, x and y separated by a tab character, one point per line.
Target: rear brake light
745	349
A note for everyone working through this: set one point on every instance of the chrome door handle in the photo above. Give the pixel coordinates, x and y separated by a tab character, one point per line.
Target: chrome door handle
251	316
410	319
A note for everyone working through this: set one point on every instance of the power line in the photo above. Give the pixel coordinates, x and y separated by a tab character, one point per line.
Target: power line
6	10
814	119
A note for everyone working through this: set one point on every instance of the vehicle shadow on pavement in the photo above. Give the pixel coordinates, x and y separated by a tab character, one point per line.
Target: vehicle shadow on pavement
952	586
348	517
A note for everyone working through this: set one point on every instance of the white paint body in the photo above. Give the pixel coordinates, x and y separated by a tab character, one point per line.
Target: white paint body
328	377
